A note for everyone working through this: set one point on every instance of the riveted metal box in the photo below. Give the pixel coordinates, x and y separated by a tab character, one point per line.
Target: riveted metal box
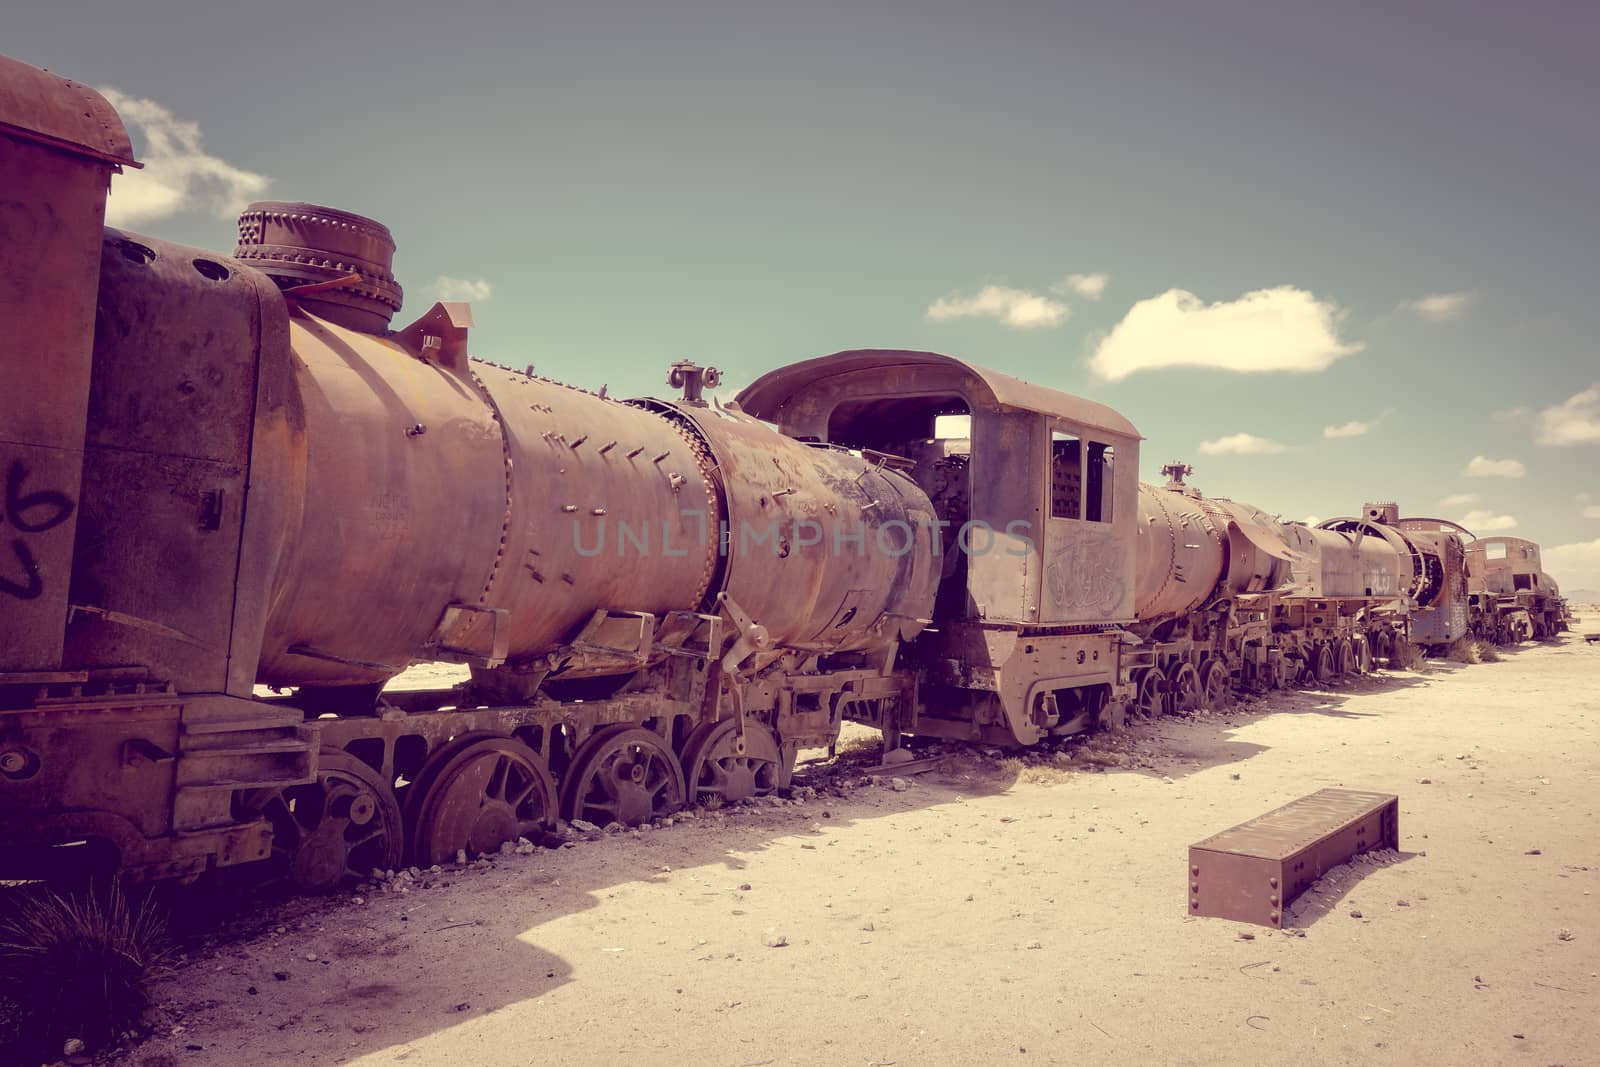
1251	872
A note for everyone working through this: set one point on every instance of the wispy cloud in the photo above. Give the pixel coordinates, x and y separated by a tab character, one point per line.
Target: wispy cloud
1485	521
1483	467
1282	329
1459	500
1510	414
1574	421
1440	307
1240	444
1088	286
1353	428
476	290
1592	511
178	175
1017	308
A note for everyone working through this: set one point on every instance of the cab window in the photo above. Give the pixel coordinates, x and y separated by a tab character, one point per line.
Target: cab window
1081	478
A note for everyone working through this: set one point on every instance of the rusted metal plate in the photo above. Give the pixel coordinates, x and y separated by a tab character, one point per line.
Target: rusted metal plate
1251	872
780	395
59	143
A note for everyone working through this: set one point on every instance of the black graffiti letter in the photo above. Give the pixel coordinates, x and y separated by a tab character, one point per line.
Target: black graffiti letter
59	505
35	586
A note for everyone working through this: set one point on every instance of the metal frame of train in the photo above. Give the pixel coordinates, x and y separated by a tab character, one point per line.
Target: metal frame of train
224	473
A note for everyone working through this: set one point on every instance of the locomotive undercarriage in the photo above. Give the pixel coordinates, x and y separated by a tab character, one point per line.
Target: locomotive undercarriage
1511	619
177	785
1255	643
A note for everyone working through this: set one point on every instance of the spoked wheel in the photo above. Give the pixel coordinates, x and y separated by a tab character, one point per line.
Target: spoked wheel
343	825
626	776
1344	658
477	793
1183	685
1150	701
721	768
1323	663
1363	654
1217	685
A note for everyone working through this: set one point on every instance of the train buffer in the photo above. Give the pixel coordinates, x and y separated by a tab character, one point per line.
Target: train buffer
1252	872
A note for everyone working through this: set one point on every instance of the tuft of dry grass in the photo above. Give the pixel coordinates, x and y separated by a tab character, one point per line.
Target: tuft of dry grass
1465	650
78	965
1487	653
1405	657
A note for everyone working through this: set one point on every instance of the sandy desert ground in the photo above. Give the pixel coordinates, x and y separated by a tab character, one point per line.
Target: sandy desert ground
996	911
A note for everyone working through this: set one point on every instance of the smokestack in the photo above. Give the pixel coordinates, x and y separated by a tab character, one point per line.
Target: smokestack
298	244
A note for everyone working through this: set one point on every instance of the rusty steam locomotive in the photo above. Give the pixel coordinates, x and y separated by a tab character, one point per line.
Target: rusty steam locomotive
224	473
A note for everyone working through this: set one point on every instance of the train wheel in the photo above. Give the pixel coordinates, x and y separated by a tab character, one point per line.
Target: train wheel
1323	665
628	776
1150	700
481	794
1363	654
1344	658
1183	684
343	825
1217	685
721	768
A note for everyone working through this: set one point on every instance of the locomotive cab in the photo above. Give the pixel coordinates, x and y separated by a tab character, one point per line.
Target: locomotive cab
1036	499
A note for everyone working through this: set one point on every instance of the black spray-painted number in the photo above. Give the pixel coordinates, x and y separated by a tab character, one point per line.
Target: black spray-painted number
29	513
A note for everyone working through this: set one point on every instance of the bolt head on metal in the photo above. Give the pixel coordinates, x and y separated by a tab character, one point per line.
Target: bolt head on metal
12	762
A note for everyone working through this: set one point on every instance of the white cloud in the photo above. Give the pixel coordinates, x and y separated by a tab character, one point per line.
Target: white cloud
1282	329
1592	511
1088	286
1574	566
1484	521
1240	444
1440	307
447	288
178	175
1582	497
1017	308
1574	421
1483	467
1347	429
1510	414
1459	499
1310	520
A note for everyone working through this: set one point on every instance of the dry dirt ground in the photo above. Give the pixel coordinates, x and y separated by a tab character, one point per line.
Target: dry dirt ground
998	911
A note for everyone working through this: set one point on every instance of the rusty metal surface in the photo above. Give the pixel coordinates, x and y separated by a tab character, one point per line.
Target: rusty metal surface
609	507
1253	871
301	246
164	471
1182	555
59	144
387	525
789	396
61	114
825	549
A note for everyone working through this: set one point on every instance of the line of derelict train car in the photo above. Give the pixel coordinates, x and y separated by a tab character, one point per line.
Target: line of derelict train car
224	473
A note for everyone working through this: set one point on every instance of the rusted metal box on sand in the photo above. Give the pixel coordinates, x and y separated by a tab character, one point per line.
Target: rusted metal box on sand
1252	872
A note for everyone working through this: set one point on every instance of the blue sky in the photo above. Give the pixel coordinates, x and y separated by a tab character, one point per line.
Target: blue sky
1408	189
